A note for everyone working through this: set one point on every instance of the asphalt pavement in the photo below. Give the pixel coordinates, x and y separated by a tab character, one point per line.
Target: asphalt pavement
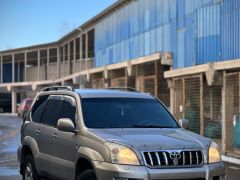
10	138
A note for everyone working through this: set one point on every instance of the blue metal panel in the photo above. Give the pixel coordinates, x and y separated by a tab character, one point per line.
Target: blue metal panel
195	31
174	40
181	45
181	13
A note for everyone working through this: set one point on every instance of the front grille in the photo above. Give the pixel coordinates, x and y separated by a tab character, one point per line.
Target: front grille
165	159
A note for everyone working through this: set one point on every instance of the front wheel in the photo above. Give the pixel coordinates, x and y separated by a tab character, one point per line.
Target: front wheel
87	174
29	170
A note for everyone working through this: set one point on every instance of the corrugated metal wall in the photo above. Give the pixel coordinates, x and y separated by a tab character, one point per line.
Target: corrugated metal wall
196	31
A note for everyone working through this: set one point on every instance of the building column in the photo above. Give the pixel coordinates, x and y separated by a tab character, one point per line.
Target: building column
69	61
80	51
74	55
202	106
224	132
48	68
64	56
171	87
14	102
58	62
1	69
86	49
25	66
19	74
38	66
13	68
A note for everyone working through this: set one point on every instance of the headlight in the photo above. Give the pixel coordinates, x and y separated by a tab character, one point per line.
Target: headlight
121	154
214	153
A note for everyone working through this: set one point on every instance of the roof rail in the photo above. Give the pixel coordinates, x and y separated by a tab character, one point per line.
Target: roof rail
57	88
130	89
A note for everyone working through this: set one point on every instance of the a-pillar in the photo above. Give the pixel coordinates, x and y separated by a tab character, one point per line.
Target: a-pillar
14	102
13	68
1	70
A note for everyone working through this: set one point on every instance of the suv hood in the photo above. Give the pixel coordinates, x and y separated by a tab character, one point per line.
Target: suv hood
154	139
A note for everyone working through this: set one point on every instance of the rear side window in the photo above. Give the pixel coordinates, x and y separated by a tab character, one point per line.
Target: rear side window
69	109
38	108
51	113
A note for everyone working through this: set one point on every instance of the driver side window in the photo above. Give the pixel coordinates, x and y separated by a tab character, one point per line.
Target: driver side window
69	109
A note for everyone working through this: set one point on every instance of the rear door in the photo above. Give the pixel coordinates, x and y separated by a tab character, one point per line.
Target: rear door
34	127
47	130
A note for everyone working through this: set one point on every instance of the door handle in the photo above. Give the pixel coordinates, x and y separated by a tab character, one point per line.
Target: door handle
54	136
37	131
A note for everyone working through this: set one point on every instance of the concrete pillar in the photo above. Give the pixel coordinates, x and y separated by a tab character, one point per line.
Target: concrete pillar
224	123
171	87
48	68
14	102
80	52
202	105
58	62
64	55
38	65
13	68
1	69
74	55
86	49
18	75
69	61
25	66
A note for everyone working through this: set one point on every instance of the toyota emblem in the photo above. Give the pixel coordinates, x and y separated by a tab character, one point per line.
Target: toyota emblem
175	156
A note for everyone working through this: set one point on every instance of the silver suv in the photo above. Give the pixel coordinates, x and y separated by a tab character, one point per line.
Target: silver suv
110	134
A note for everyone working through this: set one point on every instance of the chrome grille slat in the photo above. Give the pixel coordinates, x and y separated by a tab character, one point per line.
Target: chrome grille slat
158	159
150	157
197	157
165	159
183	158
190	158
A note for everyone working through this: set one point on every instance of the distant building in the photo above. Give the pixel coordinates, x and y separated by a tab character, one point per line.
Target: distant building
186	52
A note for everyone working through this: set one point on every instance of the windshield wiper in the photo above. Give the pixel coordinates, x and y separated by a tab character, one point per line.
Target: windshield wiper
149	126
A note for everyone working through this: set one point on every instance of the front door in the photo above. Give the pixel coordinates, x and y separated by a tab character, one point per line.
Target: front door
65	143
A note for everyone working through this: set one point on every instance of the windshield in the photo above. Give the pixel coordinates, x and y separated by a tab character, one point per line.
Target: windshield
126	113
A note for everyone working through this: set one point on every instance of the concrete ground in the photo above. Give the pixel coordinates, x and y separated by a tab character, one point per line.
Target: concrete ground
10	138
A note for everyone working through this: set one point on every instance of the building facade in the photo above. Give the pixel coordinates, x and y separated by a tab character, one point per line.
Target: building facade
185	52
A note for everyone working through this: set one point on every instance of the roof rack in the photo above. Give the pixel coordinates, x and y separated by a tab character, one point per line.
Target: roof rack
57	88
130	89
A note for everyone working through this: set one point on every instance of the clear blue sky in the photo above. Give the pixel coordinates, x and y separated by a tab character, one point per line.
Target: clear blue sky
29	22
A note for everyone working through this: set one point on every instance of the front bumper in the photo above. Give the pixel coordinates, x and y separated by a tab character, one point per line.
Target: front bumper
108	171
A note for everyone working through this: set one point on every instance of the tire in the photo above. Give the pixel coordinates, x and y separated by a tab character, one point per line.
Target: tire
29	169
87	175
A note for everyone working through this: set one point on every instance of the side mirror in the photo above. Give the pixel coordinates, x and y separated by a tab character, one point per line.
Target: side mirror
66	125
184	123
